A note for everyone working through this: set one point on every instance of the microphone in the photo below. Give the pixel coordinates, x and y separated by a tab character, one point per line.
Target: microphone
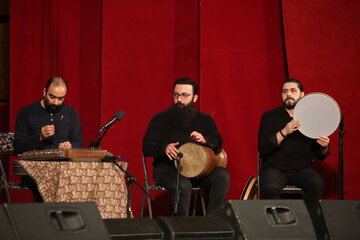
119	115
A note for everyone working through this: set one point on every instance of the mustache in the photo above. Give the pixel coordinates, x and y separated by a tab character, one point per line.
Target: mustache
54	105
179	105
289	98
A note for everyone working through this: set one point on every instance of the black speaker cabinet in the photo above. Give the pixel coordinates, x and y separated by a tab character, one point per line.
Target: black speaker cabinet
6	230
337	219
268	219
209	227
30	221
133	228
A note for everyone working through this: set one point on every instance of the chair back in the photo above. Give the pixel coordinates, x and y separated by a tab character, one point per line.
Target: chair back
146	173
6	148
149	183
7	142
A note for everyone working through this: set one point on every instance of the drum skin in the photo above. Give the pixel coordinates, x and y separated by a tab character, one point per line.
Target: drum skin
199	160
318	113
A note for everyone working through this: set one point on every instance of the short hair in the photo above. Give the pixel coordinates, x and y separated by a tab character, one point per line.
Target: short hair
56	81
188	81
299	84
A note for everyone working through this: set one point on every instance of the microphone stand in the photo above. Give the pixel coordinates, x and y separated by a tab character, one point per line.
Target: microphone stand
130	179
97	143
177	191
341	160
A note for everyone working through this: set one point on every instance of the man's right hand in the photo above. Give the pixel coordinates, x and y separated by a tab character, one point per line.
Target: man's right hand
47	131
171	151
291	127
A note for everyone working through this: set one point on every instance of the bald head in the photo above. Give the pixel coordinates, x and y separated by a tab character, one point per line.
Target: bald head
54	94
55	81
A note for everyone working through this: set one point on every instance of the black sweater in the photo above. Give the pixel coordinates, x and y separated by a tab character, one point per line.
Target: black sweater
33	117
295	152
161	132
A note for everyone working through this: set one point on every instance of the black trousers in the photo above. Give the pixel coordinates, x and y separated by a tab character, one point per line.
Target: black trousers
28	182
218	182
273	180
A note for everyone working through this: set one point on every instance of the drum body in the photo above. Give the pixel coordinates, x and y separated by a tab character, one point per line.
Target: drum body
221	158
197	160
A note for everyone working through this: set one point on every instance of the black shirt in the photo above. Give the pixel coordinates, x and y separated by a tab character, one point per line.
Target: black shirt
33	117
161	132
295	152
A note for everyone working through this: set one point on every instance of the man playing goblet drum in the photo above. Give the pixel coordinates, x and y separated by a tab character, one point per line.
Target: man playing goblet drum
287	155
173	127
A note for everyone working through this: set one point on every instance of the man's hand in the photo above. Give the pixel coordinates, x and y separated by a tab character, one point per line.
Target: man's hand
47	131
171	151
64	145
198	137
291	127
323	141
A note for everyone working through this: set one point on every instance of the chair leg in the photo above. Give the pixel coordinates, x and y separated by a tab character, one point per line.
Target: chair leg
149	206
200	193
202	199
142	204
195	203
4	182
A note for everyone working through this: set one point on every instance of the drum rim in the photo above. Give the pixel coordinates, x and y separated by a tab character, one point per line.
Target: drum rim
328	97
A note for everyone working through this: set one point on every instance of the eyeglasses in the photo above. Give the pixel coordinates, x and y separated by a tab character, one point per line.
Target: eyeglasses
181	95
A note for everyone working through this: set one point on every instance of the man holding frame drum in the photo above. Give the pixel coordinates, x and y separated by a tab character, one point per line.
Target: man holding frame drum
287	155
173	128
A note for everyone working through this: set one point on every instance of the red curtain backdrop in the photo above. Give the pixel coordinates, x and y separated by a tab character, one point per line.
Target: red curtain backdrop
60	37
125	55
242	66
146	45
322	46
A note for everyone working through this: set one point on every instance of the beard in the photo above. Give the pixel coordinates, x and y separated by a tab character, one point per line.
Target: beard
290	105
51	108
182	116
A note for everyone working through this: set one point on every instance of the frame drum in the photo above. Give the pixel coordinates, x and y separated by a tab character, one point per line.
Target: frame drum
319	115
197	160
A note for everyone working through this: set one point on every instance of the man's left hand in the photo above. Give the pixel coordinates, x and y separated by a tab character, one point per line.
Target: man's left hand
323	141
198	137
65	145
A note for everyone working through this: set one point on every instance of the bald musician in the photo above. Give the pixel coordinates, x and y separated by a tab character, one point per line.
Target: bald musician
287	155
170	129
47	124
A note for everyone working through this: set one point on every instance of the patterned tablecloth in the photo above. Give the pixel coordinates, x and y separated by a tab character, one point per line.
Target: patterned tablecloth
99	182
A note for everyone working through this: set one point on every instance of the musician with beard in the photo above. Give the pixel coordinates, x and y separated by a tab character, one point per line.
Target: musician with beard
47	124
287	155
177	125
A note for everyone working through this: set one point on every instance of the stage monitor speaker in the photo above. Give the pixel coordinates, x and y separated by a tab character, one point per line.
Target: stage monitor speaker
6	230
337	219
133	228
29	221
209	227
268	219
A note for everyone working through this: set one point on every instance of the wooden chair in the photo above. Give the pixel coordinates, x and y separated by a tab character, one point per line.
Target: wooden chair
150	186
